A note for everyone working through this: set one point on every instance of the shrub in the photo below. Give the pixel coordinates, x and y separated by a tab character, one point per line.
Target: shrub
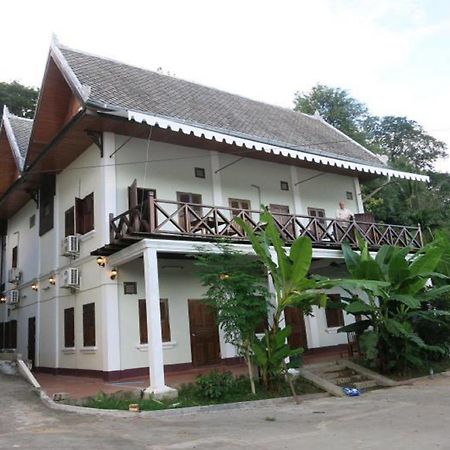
215	385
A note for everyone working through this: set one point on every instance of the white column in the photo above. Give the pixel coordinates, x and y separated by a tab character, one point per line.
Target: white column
296	191
155	346
109	289
312	329
216	179
359	201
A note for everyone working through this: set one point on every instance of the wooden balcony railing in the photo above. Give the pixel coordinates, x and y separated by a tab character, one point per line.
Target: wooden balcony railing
163	217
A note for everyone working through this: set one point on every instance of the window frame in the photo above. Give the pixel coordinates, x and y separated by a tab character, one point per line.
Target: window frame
334	315
165	320
69	216
69	320
89	328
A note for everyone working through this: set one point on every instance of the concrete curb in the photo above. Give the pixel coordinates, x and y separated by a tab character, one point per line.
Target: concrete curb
176	411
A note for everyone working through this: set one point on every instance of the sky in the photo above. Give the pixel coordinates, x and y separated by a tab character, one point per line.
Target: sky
394	56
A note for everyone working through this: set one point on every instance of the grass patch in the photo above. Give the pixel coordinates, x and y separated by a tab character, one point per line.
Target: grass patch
193	394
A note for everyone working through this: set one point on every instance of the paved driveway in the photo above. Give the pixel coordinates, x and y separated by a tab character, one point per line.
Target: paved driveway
408	417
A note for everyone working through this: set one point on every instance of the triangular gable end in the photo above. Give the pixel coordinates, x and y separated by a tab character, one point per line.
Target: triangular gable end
61	97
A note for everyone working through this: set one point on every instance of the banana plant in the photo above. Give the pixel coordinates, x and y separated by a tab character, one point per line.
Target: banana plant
387	336
289	269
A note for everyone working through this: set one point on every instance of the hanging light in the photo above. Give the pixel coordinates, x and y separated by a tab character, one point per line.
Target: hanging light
113	273
101	261
52	280
34	286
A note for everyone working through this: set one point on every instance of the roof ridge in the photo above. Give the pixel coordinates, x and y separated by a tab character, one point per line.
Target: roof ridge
163	75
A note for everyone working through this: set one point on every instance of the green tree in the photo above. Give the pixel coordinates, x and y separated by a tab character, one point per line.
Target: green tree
20	100
404	141
337	107
237	291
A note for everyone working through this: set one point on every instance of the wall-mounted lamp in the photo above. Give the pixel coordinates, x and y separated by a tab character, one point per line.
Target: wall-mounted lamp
52	280
35	286
113	273
2	299
101	261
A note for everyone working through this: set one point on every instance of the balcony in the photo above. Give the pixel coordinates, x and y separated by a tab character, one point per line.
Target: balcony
178	220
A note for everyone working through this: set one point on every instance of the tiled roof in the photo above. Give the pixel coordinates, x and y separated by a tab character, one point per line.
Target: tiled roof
22	130
120	86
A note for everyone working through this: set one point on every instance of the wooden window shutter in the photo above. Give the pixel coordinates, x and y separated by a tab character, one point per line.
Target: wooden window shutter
88	210
79	215
46	206
133	195
69	222
2	342
143	322
89	325
334	315
69	328
165	324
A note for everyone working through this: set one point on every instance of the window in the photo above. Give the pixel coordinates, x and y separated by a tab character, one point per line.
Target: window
334	314
8	334
84	209
282	216
189	197
69	328
284	185
14	257
46	194
165	324
69	222
349	195
129	287
89	325
32	220
317	212
238	205
200	172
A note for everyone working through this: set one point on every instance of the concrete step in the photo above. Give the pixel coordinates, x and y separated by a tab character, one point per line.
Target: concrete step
365	384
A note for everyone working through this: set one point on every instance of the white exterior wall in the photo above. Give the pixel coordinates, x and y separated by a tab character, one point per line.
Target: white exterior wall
172	170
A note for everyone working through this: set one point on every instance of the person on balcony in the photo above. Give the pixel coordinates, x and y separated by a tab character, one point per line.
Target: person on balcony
344	217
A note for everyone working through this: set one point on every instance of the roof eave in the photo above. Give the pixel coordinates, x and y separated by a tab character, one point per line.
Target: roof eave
19	160
254	145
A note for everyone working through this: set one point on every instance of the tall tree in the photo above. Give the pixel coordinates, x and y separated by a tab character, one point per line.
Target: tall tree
337	107
403	140
20	100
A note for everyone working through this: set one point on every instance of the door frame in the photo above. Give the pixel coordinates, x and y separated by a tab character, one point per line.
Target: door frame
192	337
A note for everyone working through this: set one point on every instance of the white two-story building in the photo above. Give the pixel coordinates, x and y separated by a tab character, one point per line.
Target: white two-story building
123	175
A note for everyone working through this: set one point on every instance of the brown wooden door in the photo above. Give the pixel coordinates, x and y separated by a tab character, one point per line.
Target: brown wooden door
294	317
32	339
282	216
204	334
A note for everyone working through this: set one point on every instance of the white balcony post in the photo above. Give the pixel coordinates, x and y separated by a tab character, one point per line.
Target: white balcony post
157	386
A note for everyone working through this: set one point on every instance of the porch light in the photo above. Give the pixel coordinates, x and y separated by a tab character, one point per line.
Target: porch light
52	280
34	286
101	261
2	299
113	273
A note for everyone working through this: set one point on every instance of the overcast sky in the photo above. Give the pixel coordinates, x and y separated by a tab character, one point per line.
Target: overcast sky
392	55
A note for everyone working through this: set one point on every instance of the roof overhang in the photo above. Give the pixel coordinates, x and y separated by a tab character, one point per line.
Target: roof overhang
258	146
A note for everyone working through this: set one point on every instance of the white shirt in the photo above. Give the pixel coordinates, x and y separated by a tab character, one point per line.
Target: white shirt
344	214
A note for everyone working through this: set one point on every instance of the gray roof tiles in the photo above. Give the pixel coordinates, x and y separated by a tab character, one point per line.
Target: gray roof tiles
117	85
22	131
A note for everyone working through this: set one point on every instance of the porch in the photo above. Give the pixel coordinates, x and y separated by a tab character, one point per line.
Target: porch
199	222
85	386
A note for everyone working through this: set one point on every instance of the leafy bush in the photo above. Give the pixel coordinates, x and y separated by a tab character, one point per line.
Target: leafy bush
215	385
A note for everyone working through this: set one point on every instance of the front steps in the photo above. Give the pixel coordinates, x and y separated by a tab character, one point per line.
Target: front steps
334	376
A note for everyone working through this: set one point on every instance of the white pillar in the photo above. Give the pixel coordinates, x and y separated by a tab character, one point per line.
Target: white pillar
109	288
312	329
216	179
297	201
359	201
155	345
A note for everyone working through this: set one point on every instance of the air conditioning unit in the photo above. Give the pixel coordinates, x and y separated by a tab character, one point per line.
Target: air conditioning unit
71	246
14	275
13	297
71	278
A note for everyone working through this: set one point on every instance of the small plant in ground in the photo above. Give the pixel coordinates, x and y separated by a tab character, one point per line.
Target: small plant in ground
215	385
